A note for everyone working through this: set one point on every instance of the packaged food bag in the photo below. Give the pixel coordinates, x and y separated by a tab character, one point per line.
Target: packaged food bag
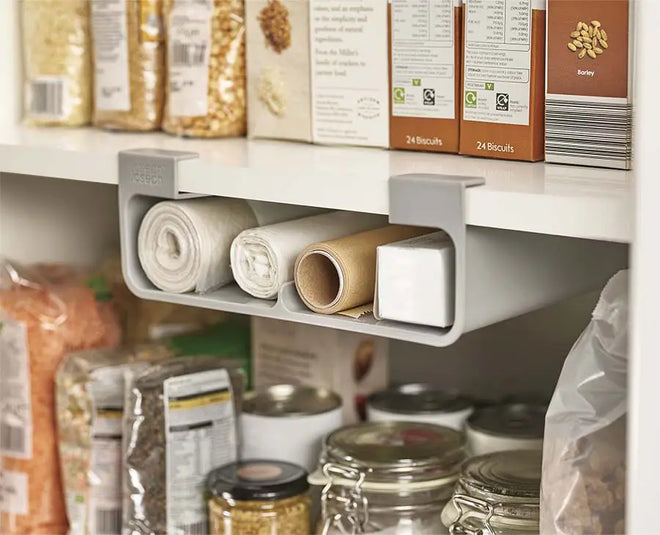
90	408
129	63
205	94
57	62
180	423
584	455
45	313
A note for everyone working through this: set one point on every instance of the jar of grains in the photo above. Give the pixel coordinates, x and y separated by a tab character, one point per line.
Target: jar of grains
205	94
388	478
259	497
497	494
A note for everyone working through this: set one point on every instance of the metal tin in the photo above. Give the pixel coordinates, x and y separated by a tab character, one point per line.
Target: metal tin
516	426
288	423
497	494
419	402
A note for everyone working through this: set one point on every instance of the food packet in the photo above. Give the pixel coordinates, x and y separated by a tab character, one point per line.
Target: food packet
205	94
90	408
584	454
57	62
129	64
45	313
180	423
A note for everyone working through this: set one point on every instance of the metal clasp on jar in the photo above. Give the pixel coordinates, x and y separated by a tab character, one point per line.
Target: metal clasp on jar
353	507
475	515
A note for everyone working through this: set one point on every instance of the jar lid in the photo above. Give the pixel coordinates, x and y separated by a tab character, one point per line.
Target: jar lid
290	400
518	420
507	474
392	451
257	480
418	398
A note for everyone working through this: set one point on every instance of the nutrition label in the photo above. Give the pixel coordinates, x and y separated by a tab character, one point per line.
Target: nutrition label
498	46
423	48
201	435
109	25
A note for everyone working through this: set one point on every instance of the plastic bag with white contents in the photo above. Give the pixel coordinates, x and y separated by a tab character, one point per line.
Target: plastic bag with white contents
584	456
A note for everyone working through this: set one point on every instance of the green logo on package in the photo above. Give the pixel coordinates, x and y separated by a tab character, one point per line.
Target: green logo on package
399	94
470	99
490	86
417	82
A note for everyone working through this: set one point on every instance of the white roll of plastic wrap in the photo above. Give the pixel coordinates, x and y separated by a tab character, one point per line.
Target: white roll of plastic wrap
184	245
263	259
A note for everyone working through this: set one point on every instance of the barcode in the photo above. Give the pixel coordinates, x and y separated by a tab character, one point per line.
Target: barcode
47	97
188	55
12	439
593	130
199	528
108	521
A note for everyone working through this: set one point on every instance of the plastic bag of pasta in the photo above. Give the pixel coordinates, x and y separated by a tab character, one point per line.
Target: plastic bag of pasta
90	408
205	94
129	55
584	451
180	422
57	62
45	313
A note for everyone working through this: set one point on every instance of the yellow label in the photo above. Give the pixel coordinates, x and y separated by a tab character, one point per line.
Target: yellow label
151	20
200	401
110	413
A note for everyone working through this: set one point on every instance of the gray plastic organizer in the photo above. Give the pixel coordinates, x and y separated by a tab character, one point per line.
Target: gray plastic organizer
500	274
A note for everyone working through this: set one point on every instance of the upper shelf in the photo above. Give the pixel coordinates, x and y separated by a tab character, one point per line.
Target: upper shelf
550	199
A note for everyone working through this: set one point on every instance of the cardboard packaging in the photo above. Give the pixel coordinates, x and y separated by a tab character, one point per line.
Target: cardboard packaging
425	74
503	79
278	69
589	83
350	102
416	282
350	364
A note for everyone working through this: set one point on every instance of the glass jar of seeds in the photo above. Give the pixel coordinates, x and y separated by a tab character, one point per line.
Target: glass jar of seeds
259	497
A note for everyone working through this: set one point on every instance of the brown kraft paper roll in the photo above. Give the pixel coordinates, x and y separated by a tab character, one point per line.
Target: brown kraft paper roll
338	275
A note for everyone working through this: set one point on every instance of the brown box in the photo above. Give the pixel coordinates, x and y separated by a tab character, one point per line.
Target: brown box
589	83
503	79
425	74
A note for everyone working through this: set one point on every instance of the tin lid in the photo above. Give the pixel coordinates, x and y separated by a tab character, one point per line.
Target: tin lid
517	420
504	475
257	480
391	451
418	398
290	400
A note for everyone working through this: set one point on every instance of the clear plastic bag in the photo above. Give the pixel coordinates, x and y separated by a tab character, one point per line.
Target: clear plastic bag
90	407
584	456
182	414
45	312
205	94
57	62
129	63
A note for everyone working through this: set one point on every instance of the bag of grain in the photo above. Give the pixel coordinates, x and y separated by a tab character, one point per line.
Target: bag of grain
205	93
57	62
45	313
90	408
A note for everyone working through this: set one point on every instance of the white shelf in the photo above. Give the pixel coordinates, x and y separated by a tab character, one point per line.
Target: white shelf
550	199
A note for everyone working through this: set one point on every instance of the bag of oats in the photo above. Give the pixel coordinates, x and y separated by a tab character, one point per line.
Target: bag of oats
205	94
180	423
57	62
90	395
129	63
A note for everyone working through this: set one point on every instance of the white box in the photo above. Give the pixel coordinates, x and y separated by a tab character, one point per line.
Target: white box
415	281
352	365
350	75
